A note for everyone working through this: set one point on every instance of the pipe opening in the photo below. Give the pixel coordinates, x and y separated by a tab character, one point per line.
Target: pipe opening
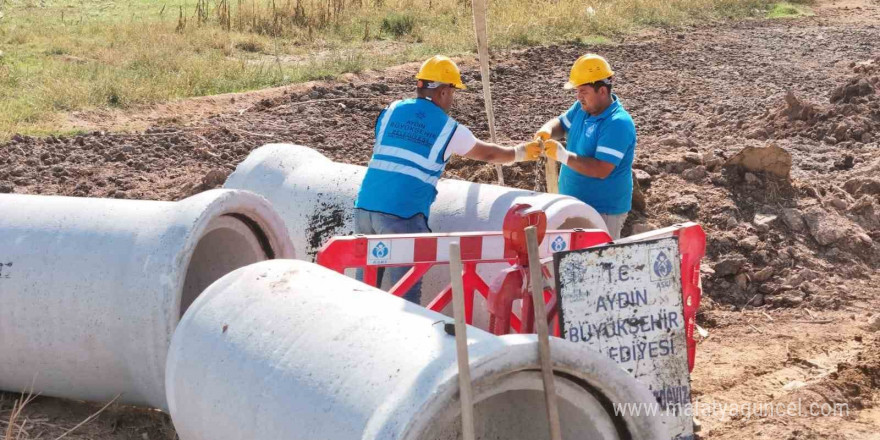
513	408
227	244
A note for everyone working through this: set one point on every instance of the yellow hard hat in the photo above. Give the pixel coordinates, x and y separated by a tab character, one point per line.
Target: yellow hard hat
441	69
588	68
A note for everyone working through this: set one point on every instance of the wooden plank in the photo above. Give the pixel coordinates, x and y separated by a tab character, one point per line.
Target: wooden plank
480	24
464	373
537	287
551	174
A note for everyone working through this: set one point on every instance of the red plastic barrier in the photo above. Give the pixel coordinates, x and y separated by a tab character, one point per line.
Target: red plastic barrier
424	251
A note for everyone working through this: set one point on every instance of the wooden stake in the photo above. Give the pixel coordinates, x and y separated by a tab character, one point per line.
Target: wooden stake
537	282
464	372
551	174
480	24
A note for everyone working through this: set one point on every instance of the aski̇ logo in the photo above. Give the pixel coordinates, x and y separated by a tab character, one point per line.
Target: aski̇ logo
380	250
662	265
559	244
590	130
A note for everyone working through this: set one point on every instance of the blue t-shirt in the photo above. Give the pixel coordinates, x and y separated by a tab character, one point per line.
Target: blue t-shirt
609	137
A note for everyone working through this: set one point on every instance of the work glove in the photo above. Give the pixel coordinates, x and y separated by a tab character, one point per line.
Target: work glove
542	134
527	151
554	150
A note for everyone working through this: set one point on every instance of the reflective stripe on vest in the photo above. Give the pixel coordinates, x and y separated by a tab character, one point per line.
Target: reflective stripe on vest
392	167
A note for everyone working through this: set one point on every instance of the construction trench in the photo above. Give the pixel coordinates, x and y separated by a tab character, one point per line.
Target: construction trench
788	302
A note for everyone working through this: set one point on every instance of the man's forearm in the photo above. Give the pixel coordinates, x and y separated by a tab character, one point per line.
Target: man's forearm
500	154
492	153
589	166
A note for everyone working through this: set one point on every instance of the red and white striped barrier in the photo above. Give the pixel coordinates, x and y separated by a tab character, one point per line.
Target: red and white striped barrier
423	251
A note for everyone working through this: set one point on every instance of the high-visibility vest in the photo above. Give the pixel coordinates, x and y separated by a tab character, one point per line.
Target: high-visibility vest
408	159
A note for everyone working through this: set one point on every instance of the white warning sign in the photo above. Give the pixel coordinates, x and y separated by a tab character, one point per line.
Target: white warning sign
624	301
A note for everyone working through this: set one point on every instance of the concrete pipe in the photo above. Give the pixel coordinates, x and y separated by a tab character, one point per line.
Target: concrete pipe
92	289
315	196
288	349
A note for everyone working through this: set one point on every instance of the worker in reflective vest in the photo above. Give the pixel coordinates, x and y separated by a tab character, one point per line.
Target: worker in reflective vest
601	141
414	140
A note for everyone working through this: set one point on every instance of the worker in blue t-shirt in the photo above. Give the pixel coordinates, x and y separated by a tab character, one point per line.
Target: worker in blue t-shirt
414	140
601	139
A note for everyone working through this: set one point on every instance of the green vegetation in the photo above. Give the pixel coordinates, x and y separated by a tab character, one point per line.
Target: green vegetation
788	10
66	55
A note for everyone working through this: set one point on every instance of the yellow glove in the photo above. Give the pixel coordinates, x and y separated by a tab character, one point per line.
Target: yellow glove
554	150
527	151
542	134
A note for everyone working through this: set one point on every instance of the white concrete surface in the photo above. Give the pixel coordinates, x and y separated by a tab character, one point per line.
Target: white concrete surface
315	196
92	289
288	349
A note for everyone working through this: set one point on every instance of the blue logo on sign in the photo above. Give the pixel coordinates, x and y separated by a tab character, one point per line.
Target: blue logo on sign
380	250
558	244
662	265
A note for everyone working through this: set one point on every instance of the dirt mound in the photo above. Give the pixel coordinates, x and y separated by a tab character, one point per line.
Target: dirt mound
773	241
853	115
778	240
770	159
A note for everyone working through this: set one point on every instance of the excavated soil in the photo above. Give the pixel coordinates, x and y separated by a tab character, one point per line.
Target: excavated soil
765	132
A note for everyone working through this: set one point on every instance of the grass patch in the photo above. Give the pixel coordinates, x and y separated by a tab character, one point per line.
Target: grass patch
65	55
787	10
398	25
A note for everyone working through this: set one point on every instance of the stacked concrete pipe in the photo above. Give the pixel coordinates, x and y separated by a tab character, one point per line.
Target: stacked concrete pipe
287	349
316	198
91	290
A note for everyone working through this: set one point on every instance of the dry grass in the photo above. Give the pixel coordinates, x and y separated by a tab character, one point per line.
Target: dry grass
16	424
65	55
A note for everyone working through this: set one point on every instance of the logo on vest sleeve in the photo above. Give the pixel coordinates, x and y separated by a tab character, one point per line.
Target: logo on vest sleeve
559	244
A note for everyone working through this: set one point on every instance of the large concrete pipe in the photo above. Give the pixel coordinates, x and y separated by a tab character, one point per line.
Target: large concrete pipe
288	349
316	198
92	289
